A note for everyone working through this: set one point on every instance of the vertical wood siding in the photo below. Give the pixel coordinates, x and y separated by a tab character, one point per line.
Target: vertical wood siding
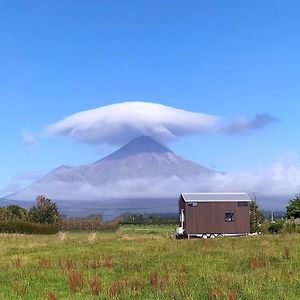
209	217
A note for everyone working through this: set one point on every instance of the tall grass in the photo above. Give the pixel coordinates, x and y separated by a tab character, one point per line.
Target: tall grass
149	266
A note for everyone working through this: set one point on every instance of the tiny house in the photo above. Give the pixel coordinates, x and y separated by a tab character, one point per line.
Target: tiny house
212	214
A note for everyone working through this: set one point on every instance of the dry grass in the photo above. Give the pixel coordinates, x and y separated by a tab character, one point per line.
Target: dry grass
52	296
75	281
95	285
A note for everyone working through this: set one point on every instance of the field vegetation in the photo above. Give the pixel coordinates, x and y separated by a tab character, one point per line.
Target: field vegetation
143	262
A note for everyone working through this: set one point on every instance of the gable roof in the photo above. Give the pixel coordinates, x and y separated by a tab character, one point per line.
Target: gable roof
215	197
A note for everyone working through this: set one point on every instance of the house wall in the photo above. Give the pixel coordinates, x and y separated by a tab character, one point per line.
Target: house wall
209	217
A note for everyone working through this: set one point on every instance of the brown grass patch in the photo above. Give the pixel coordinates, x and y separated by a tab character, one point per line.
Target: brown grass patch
257	262
115	288
232	295
107	263
75	281
286	253
51	296
214	294
95	285
158	281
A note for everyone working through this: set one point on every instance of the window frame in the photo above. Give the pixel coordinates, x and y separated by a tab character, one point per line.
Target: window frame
228	219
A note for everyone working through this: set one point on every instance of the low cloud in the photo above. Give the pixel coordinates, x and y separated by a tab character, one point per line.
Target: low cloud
117	124
274	185
244	125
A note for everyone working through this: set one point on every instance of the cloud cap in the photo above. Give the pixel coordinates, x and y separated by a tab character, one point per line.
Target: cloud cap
119	123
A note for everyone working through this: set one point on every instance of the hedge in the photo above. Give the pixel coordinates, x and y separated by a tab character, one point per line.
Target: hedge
27	227
87	225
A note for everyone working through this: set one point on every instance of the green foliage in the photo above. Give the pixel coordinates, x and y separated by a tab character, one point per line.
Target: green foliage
14	212
272	227
45	211
5	214
43	218
24	227
293	208
276	226
19	213
87	224
144	219
256	217
281	226
291	226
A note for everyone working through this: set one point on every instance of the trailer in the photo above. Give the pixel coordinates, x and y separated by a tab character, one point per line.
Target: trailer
208	215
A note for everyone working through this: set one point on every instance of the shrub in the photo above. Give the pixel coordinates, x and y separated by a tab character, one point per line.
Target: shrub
87	224
45	211
291	226
27	227
276	226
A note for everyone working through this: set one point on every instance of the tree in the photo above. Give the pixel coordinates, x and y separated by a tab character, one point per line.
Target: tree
17	212
256	217
45	211
5	214
293	208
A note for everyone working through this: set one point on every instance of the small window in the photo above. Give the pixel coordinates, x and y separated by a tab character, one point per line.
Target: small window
193	204
229	216
243	203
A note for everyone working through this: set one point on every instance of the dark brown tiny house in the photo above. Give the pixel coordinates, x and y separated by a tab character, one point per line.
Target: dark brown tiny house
213	214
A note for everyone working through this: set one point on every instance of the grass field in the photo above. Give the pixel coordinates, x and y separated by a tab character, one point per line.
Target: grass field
145	263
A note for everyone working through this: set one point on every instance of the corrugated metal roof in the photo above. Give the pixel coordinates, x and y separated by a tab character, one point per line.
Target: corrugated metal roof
215	197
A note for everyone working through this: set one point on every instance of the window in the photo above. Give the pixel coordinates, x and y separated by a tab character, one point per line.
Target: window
193	204
243	203
229	216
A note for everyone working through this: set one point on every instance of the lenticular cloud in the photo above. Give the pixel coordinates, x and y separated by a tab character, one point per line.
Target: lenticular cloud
119	123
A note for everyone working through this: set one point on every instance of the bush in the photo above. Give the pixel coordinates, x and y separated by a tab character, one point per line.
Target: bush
27	227
291	226
276	226
87	224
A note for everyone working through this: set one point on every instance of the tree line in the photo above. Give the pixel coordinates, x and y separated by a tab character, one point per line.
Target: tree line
290	223
41	218
45	218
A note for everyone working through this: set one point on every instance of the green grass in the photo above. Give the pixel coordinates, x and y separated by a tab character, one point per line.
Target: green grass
145	263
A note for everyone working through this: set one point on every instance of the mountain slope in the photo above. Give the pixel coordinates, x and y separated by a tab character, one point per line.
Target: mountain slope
142	169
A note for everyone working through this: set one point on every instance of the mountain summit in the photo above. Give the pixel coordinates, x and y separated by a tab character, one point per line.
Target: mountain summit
142	169
142	144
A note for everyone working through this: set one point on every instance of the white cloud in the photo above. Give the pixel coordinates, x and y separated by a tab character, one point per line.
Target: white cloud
119	123
274	185
29	140
243	125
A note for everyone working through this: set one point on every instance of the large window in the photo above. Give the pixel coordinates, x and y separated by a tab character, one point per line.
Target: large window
229	216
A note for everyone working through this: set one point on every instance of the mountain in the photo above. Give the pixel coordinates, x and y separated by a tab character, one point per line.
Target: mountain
143	175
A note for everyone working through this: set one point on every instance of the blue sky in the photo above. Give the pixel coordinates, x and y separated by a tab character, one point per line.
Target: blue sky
228	58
